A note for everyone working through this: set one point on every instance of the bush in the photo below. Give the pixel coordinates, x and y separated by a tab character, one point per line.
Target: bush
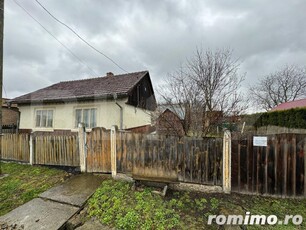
293	118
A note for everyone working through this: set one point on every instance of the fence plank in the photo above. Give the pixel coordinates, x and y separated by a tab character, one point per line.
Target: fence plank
285	158
239	166
294	165
56	150
276	150
304	156
15	147
266	168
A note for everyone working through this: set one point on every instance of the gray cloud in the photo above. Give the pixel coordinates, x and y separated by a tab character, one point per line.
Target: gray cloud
153	35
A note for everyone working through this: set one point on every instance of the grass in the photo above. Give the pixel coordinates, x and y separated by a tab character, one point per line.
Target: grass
25	182
117	205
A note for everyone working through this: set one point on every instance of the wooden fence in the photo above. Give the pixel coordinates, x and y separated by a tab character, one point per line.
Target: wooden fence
62	150
170	158
15	147
278	169
148	156
98	151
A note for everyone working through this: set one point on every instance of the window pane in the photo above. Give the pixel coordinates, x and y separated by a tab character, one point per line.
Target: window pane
38	118
78	117
44	118
86	117
50	118
93	118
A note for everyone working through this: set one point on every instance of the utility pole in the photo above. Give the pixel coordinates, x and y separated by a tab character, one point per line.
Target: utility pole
1	71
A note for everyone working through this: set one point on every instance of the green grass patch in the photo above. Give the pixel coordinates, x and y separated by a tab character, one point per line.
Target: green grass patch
117	205
25	182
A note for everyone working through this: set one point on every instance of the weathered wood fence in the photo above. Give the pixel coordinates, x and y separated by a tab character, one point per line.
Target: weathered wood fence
98	151
158	157
15	147
61	150
278	169
41	148
155	157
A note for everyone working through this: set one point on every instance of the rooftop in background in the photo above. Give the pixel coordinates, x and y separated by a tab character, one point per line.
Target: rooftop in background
290	105
175	108
5	103
93	88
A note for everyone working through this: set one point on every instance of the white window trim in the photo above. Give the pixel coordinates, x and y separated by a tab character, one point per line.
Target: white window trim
82	108
44	109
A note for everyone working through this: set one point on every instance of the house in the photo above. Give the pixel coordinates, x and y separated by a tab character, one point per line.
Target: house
169	123
290	105
172	119
10	115
125	100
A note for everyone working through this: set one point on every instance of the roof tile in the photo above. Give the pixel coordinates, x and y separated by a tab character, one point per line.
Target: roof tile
86	88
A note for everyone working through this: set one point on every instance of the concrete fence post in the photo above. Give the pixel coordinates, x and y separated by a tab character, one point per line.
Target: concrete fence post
31	149
82	147
227	152
114	130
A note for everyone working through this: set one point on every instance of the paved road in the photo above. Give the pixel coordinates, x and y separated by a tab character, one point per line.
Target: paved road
55	206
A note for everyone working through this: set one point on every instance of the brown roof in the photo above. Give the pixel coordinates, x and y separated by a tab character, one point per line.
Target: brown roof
5	103
94	88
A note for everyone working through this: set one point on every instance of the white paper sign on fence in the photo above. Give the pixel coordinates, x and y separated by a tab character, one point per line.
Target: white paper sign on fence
260	141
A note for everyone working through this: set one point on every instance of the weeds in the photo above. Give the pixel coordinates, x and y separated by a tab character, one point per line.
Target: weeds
114	203
117	205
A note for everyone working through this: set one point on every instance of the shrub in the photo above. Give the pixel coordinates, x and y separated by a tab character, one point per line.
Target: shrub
293	118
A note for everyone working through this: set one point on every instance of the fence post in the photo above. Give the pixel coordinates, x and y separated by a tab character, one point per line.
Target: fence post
82	147
114	129
227	152
31	149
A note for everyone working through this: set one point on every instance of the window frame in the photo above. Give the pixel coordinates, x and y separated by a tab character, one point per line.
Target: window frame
91	117
44	118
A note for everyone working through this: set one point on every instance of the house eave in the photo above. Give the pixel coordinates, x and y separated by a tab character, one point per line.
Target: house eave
69	100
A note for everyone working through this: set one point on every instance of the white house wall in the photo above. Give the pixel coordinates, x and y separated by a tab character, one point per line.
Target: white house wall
108	114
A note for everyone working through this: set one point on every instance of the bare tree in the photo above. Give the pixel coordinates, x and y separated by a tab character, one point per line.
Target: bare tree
179	95
286	84
206	89
216	74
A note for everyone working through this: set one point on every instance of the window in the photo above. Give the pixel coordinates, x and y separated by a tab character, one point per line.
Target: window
86	116
44	118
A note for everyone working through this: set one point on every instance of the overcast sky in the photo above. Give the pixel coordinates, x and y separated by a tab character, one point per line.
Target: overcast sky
146	35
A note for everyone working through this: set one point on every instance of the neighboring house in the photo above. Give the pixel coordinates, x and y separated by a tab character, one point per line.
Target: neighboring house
169	123
290	105
124	100
171	119
10	115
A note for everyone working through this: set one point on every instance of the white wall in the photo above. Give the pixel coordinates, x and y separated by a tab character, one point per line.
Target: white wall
108	114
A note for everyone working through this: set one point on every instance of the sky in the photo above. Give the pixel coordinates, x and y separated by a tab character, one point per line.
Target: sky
158	36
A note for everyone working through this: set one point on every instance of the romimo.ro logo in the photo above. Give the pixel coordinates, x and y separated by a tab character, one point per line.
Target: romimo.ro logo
249	219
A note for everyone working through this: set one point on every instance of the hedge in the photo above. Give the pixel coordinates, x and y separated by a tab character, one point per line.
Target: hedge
293	118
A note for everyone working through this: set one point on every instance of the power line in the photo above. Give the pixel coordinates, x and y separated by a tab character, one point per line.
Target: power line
70	51
82	39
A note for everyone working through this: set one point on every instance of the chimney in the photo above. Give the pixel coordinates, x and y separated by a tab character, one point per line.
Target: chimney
109	74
